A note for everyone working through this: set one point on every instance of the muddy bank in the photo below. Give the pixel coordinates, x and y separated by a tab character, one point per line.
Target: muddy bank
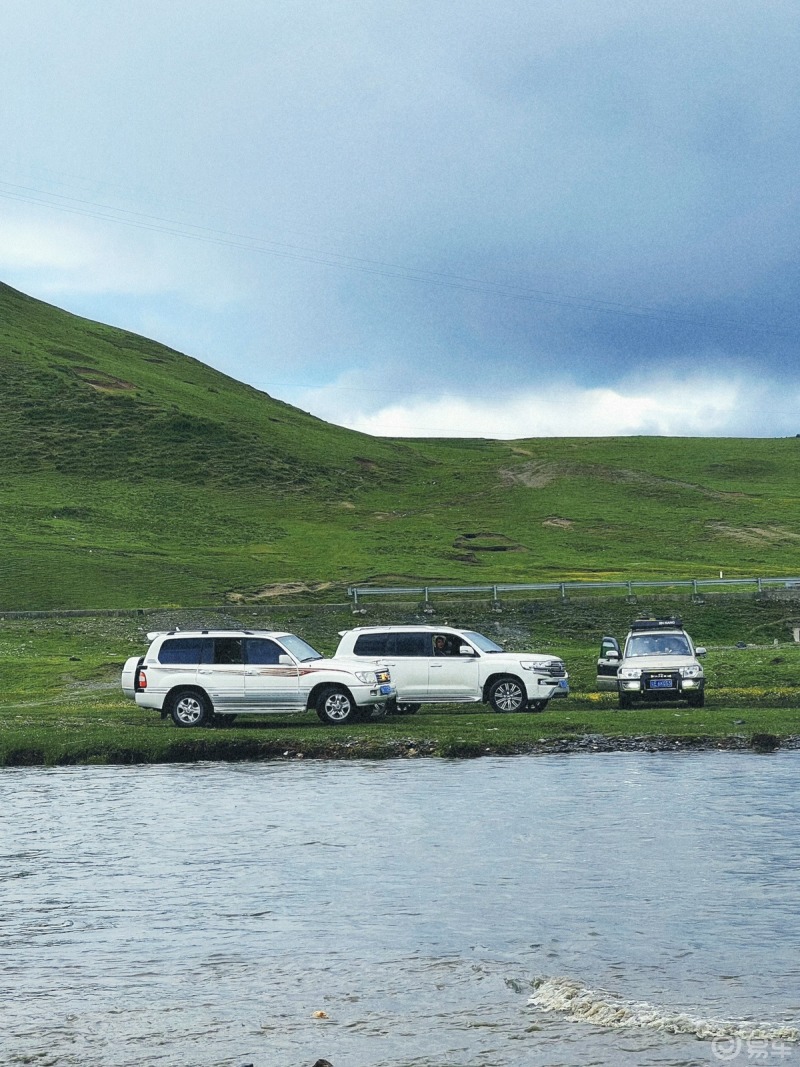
240	749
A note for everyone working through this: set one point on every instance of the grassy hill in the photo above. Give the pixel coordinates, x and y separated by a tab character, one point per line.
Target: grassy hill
135	476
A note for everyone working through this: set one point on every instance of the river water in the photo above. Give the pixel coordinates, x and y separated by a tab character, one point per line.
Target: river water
626	909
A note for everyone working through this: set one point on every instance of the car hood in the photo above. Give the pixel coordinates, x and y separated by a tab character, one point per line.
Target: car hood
659	663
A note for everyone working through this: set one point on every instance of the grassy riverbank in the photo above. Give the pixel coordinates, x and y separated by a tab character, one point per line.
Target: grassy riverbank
62	704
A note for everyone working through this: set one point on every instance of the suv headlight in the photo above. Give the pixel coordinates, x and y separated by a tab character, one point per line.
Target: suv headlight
629	672
694	670
367	677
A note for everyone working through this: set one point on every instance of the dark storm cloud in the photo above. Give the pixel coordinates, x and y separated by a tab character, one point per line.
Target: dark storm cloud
460	199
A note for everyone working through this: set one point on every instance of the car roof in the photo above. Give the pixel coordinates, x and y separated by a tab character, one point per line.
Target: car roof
657	626
395	628
155	634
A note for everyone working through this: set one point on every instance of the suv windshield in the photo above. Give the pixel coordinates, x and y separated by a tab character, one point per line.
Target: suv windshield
299	648
483	643
658	645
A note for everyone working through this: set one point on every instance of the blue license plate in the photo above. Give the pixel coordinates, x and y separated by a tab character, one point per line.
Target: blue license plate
661	683
563	683
386	690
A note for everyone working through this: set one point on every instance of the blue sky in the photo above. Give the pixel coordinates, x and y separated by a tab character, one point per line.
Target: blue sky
425	217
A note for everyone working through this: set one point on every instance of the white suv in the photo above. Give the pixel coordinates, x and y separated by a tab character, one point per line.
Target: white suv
445	665
659	662
196	676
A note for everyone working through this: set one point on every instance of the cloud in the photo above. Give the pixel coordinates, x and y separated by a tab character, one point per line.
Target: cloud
493	214
698	406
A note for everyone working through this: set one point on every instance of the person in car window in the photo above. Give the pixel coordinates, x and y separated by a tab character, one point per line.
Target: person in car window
440	645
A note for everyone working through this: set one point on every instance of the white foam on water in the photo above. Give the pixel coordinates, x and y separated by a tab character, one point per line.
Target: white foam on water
582	1004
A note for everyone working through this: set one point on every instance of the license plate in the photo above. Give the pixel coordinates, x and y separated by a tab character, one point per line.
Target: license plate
386	690
563	683
661	683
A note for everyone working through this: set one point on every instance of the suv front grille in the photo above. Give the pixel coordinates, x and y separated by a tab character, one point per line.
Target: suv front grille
556	668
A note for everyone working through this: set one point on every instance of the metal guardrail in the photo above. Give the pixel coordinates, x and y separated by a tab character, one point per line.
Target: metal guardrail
564	588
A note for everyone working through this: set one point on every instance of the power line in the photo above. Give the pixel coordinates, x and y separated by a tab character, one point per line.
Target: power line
380	268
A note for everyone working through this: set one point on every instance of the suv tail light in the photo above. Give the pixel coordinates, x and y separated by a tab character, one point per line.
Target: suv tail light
140	681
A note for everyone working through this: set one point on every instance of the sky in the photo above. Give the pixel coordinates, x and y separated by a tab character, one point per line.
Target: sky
443	218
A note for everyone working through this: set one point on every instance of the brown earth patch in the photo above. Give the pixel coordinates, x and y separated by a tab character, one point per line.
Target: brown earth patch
538	475
562	524
534	475
487	542
755	535
104	383
269	592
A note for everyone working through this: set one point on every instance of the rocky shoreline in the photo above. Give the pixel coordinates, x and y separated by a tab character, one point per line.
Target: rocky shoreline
410	748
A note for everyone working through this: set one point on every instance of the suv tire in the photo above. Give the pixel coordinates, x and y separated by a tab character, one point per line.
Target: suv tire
402	708
507	694
189	707
335	706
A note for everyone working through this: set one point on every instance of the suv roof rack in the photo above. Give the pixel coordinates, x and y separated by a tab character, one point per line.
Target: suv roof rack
675	623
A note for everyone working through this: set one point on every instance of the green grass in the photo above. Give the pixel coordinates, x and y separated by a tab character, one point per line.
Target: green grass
134	476
62	703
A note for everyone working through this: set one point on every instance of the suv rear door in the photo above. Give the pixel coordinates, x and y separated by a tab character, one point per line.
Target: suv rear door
406	654
221	672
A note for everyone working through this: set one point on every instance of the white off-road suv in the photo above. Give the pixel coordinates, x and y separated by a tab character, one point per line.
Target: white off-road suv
659	662
196	676
445	665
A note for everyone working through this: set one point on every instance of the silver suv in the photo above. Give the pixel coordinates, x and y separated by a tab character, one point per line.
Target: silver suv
445	665
659	662
196	676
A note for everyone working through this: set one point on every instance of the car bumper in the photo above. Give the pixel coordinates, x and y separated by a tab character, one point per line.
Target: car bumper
633	687
374	694
548	689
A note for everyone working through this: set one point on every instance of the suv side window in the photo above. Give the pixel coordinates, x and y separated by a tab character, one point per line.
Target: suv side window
182	650
371	645
261	650
228	650
412	645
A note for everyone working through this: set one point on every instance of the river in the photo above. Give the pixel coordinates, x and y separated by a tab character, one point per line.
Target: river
619	909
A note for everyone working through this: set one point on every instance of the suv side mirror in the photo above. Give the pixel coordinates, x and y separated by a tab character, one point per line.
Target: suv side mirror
285	660
465	650
612	653
699	652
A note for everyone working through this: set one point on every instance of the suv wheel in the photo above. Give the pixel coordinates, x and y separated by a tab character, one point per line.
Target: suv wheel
405	709
508	694
335	706
189	707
